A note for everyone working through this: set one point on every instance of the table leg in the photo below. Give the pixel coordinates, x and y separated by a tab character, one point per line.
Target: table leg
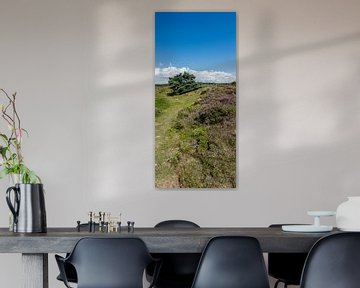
35	270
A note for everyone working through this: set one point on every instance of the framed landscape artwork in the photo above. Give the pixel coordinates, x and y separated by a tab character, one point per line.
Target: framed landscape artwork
195	100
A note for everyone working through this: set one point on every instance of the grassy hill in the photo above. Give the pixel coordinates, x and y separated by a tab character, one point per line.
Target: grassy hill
196	137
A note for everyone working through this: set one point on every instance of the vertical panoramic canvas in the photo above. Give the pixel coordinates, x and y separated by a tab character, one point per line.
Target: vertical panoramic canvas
195	99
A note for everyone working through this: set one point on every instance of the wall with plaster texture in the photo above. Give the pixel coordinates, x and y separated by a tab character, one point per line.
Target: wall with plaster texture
83	71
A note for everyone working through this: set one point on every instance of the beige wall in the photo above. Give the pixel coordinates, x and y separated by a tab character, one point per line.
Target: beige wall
84	75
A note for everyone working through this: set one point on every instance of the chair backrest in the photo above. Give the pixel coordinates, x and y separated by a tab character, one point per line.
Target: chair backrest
333	262
110	262
178	269
176	224
232	262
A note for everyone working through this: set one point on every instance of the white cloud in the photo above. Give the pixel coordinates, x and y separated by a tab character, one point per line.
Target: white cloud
162	75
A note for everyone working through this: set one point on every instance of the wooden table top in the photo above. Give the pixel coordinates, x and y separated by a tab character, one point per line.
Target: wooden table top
158	240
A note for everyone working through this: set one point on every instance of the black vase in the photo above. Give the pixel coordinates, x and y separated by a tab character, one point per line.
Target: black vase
28	208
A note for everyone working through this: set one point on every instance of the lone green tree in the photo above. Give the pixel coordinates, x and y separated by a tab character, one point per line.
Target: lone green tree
182	83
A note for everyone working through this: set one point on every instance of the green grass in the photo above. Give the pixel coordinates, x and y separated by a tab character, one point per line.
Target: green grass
196	137
167	109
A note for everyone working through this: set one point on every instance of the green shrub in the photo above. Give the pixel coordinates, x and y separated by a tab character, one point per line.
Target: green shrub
182	83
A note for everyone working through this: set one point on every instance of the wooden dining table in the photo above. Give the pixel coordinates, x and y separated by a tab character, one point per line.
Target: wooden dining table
35	247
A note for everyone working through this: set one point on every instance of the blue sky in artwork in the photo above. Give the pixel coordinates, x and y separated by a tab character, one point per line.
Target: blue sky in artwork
200	42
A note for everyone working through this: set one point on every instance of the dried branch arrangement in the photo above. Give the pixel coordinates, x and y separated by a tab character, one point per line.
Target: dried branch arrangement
11	158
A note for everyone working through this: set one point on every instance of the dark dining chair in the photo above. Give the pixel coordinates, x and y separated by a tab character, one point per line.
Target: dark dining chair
108	263
232	262
178	269
70	271
286	267
333	262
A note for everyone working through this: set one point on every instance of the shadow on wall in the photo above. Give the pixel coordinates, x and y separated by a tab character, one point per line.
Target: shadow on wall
123	98
302	137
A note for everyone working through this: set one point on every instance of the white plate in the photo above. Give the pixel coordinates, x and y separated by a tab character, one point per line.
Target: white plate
306	228
321	213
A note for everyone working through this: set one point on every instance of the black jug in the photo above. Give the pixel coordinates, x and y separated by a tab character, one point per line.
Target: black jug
28	208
